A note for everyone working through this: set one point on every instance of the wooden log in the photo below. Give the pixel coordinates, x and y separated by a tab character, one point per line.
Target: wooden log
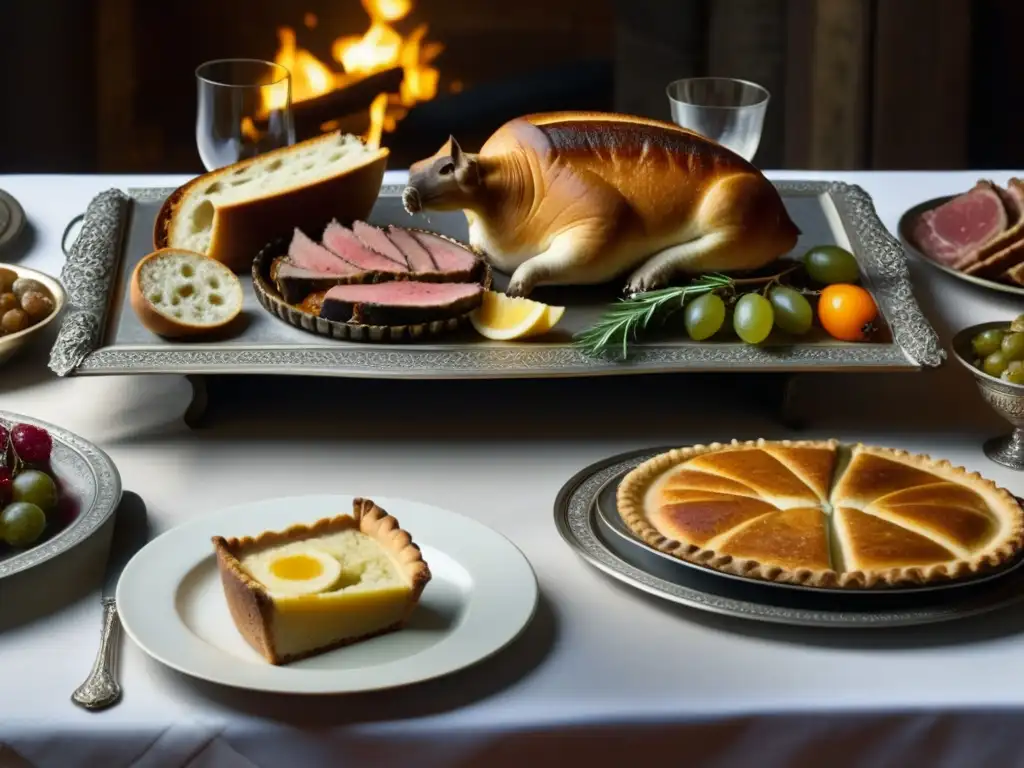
343	104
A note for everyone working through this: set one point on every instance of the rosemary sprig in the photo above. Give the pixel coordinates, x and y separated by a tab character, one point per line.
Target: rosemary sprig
624	320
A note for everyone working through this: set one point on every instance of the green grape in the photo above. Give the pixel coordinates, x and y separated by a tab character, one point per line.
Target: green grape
987	342
1012	346
793	312
21	524
35	487
995	364
753	318
1013	375
1017	326
828	264
704	316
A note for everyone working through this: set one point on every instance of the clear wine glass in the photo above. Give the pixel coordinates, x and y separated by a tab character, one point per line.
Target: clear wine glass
245	109
724	109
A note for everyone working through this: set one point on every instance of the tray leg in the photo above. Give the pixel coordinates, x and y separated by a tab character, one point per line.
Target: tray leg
195	414
790	413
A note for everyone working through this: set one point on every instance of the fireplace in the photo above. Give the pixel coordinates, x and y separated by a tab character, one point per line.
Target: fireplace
107	85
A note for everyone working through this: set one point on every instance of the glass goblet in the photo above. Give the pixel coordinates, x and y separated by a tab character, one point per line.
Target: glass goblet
244	110
725	110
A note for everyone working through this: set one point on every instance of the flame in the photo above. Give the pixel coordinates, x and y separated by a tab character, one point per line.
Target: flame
380	48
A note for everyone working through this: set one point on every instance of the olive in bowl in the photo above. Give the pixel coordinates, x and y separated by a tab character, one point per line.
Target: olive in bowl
29	300
994	354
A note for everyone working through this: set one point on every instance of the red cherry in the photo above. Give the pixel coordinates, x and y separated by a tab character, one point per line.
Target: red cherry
33	444
6	480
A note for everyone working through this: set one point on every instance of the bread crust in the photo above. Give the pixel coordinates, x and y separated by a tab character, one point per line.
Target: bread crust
622	190
252	606
158	323
241	228
631	503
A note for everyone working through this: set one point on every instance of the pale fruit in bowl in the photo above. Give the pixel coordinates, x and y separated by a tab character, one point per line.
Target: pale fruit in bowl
29	301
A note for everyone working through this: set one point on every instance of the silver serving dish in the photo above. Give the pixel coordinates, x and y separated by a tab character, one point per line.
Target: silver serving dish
85	474
905	230
607	511
580	526
100	335
1006	399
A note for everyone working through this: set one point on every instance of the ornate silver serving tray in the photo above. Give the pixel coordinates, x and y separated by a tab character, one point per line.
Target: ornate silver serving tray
88	476
101	335
582	528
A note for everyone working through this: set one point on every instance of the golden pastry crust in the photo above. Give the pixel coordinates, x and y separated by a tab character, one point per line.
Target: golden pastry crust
1006	541
252	606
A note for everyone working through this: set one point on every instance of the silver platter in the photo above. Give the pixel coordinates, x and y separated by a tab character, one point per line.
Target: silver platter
101	335
580	525
12	219
87	475
606	509
905	227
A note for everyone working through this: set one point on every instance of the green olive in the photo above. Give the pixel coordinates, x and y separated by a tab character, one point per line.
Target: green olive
987	342
995	364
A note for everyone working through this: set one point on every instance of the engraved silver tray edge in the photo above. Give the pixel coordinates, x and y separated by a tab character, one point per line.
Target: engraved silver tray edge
94	261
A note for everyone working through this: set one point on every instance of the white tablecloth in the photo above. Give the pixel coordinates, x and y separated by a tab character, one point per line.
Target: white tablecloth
605	674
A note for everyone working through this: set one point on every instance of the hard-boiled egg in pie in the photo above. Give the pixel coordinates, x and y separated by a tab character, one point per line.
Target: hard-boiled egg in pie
296	569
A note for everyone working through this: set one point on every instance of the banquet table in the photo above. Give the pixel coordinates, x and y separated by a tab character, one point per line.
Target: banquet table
604	674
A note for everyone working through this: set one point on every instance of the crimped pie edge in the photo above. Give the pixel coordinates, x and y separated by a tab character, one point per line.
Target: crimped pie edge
632	490
252	606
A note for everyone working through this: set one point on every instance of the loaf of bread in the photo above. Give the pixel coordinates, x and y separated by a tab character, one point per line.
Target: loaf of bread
231	213
587	197
177	294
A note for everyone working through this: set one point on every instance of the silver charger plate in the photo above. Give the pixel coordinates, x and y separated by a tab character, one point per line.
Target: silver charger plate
88	476
100	334
581	527
905	230
606	508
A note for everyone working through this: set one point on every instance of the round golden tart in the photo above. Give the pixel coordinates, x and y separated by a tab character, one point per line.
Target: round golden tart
822	514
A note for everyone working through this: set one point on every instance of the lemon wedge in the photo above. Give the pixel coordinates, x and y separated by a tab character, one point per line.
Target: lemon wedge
502	317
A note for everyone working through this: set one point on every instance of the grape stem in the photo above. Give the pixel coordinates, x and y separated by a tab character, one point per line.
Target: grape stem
623	321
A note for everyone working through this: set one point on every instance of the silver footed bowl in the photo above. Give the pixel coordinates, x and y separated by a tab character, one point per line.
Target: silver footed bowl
1005	398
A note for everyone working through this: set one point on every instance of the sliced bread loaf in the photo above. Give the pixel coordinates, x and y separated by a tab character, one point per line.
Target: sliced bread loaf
230	213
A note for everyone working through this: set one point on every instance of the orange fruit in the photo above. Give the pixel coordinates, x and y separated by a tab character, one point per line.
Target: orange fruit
846	311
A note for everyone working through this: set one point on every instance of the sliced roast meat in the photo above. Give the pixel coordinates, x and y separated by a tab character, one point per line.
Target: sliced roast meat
295	283
307	254
448	256
955	230
416	255
402	302
376	240
344	243
1013	203
1002	252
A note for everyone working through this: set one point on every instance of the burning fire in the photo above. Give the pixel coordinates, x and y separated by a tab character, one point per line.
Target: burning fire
380	48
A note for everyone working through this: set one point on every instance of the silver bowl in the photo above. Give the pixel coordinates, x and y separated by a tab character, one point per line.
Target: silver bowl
1005	398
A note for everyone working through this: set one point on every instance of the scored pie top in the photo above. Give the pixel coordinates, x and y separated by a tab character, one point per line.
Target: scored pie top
821	514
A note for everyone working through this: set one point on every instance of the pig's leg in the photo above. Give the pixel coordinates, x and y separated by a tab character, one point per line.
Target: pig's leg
662	266
564	256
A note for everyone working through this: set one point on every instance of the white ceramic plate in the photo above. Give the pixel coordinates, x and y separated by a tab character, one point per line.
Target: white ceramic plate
482	594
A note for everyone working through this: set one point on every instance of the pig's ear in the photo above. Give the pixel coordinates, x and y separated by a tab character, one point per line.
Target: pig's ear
455	151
